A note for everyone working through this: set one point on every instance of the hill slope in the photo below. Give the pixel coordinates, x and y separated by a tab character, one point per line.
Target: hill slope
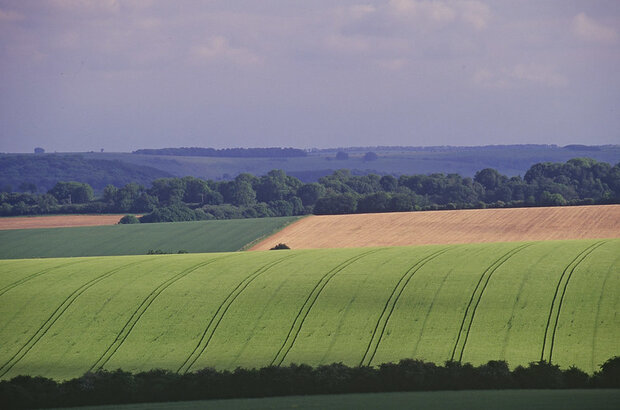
439	227
199	236
45	170
515	301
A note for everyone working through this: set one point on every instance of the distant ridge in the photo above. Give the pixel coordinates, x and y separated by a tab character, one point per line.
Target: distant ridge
226	152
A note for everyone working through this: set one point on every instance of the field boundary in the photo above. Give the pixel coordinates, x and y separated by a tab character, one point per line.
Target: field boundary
224	306
469	318
60	310
142	308
391	304
308	304
256	241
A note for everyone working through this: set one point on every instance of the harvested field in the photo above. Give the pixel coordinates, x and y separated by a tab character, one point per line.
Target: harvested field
449	227
57	221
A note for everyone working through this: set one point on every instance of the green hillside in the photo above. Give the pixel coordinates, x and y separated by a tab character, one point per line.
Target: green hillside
137	239
519	302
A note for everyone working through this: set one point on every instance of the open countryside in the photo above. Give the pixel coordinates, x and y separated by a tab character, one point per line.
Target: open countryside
57	221
449	227
520	302
199	236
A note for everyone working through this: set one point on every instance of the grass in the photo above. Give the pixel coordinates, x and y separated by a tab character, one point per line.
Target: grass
478	302
445	400
202	236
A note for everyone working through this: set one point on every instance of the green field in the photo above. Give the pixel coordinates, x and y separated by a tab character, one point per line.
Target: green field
518	302
202	236
444	400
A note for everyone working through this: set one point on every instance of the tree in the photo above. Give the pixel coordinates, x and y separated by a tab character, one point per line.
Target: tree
28	187
336	204
72	192
310	193
489	178
341	156
129	219
377	202
370	156
388	183
39	150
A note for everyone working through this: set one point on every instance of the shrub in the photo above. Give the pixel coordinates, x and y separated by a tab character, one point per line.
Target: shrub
129	219
280	246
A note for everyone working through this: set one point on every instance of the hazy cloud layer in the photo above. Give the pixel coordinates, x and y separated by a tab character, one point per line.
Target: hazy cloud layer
126	74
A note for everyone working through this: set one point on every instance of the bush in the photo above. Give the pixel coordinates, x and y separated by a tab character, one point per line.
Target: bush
280	246
129	219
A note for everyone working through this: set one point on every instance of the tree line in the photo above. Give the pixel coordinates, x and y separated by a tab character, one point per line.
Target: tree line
226	152
119	387
578	181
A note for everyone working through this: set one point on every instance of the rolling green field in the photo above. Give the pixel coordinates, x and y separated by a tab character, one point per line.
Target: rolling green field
444	400
519	302
201	236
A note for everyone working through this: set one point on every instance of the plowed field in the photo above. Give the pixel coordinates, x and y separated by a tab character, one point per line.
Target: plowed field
57	221
449	227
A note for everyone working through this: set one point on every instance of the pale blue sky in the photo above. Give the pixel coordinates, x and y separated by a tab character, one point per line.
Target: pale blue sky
78	75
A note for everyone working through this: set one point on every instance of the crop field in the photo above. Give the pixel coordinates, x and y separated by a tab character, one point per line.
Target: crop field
200	236
520	302
447	227
57	221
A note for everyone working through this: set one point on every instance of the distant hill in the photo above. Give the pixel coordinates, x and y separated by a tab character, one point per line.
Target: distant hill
511	160
226	152
47	169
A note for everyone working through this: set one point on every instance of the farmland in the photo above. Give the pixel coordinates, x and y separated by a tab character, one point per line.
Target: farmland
57	221
447	227
201	236
519	302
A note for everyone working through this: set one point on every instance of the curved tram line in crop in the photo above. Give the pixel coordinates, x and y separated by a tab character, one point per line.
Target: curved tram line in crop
476	295
37	274
137	314
62	308
554	311
390	305
207	335
307	306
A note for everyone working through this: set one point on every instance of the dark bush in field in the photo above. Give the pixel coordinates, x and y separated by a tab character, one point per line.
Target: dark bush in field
280	246
129	219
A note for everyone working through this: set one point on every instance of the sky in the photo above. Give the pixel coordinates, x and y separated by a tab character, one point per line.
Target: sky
119	75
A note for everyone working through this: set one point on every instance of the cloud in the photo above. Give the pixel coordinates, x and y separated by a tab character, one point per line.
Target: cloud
218	49
539	74
475	13
80	6
8	16
520	74
437	12
588	29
